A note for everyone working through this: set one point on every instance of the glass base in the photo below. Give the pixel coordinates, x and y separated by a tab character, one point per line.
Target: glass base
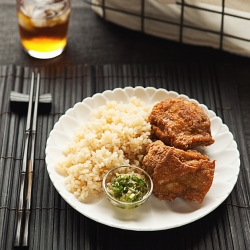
44	55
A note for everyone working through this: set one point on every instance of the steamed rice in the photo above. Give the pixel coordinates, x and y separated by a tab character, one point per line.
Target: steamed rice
117	134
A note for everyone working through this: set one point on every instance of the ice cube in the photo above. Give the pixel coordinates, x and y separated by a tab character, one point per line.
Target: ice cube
24	21
42	16
39	13
44	9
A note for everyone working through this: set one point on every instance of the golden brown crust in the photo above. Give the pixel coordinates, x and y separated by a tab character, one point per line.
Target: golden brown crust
178	173
181	124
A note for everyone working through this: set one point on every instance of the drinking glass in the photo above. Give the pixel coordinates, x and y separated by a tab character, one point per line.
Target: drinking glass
43	26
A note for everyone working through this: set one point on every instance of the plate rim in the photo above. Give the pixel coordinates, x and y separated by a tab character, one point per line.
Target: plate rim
105	93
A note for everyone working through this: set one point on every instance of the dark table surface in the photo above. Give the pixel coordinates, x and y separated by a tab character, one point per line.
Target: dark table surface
93	41
100	56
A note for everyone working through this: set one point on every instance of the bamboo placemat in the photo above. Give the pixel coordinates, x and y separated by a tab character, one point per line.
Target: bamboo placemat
54	224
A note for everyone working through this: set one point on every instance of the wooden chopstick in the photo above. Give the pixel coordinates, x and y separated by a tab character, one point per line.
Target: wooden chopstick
26	176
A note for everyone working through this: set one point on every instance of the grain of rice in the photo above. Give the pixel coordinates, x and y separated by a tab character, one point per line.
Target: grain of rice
116	134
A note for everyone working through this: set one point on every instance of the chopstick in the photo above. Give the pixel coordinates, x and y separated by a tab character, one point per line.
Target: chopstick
31	166
18	237
26	176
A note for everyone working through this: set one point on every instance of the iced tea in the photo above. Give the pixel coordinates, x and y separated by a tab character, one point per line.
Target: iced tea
43	26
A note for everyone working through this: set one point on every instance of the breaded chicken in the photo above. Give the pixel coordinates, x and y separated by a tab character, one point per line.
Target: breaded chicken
181	124
178	173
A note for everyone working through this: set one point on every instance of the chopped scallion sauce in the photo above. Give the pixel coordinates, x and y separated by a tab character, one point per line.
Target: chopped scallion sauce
127	187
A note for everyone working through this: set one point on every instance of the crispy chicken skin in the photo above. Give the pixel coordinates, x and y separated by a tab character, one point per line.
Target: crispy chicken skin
178	173
181	124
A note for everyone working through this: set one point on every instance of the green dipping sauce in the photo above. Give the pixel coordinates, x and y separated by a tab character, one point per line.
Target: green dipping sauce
127	187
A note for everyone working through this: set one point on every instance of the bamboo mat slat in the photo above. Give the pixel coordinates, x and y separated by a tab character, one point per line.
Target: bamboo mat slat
54	224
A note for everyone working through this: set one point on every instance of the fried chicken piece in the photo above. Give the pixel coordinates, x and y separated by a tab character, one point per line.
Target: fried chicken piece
178	173
181	124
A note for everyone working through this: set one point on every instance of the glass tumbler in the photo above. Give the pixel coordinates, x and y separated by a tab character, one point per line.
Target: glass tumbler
43	26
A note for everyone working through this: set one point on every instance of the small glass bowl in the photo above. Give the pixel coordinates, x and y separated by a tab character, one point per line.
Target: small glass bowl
126	170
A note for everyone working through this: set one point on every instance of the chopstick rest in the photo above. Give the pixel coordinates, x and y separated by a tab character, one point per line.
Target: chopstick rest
19	103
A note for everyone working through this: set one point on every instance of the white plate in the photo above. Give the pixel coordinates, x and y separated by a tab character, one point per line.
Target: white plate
154	214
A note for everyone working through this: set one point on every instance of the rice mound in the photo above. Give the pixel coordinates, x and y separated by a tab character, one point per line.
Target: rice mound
116	134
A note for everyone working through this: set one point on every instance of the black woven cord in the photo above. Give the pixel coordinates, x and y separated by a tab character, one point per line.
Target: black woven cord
222	23
142	15
181	21
104	9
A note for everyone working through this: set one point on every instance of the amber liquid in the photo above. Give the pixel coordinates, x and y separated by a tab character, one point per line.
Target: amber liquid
46	35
